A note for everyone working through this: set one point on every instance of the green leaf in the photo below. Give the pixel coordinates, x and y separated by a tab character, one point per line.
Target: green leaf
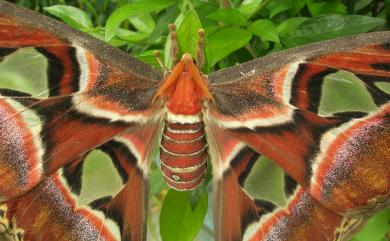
196	196
211	29
276	7
225	41
157	183
297	6
360	4
287	27
177	220
249	7
332	26
161	28
188	25
73	16
143	22
116	42
376	228
327	7
229	16
130	36
265	29
133	9
187	32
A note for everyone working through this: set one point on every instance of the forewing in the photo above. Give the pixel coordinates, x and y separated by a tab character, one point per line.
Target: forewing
280	107
89	93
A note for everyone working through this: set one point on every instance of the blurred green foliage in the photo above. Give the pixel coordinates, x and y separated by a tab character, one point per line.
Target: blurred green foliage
236	31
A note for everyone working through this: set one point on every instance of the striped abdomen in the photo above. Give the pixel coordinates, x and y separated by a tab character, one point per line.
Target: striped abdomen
183	155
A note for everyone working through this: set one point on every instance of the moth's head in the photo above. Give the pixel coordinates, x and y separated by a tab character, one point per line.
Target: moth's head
185	78
187	59
184	84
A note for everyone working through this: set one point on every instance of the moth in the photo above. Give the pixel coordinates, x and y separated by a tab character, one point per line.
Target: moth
336	164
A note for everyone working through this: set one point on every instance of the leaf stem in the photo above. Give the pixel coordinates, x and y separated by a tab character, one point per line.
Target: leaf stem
259	8
251	51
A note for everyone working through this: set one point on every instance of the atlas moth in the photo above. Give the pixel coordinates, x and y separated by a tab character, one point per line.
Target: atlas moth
97	97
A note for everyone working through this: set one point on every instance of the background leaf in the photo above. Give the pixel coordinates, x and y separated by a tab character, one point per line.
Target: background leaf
229	16
73	16
360	4
332	26
225	41
187	32
265	29
288	27
143	23
276	7
132	9
249	7
327	7
376	228
178	220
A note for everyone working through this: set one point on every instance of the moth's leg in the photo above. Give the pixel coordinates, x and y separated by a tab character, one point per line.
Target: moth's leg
15	233
9	228
4	223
